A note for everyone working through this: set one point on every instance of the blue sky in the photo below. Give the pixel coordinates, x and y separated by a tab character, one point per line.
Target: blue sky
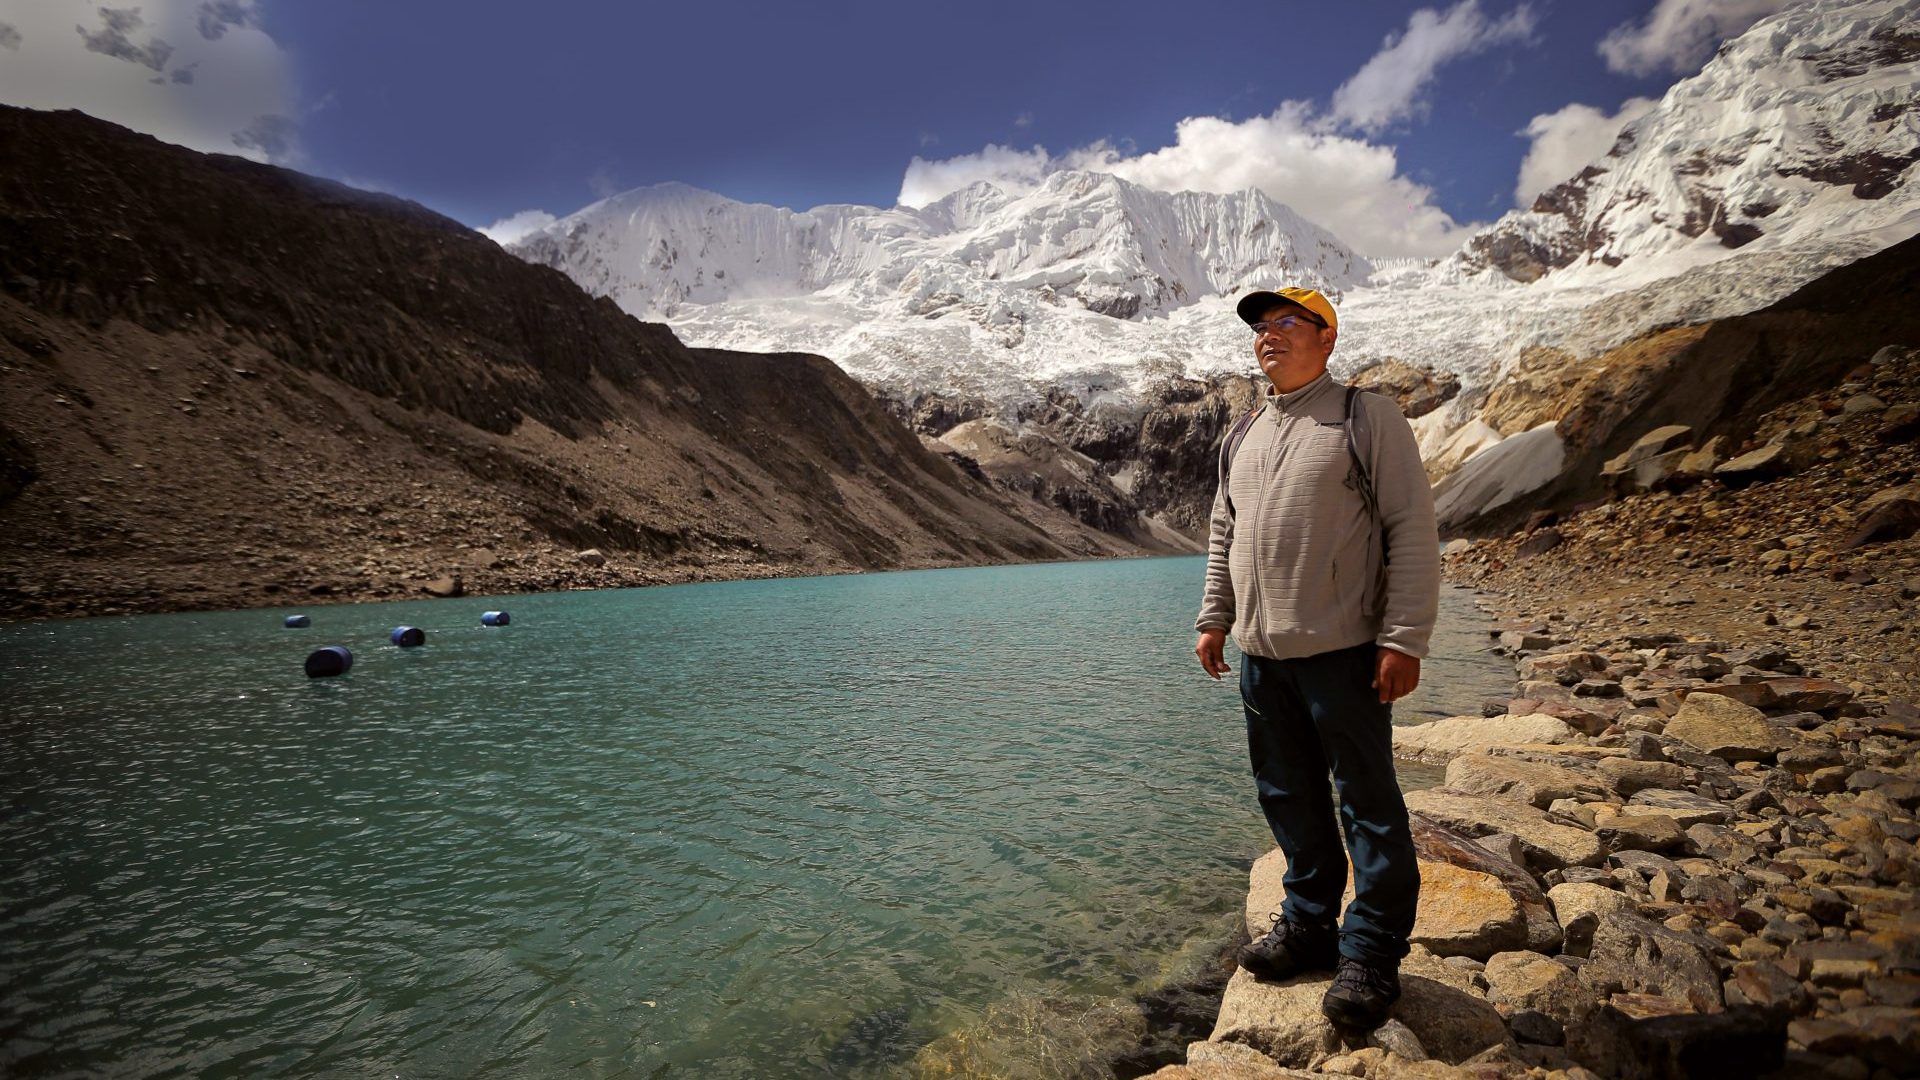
1397	125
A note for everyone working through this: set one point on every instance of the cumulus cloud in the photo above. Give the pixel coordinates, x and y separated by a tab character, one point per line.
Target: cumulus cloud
203	75
1388	87
1321	164
517	226
1566	141
1344	184
1679	35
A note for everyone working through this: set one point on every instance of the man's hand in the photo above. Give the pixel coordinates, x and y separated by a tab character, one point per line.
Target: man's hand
1210	649
1395	674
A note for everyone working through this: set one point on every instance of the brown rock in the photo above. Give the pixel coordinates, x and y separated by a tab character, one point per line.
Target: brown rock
1765	986
1725	728
1884	1035
1533	782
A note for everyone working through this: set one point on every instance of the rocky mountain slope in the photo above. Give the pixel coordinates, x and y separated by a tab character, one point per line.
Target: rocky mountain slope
225	384
1717	379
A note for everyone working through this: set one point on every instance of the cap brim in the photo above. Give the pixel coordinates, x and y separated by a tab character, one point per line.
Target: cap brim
1254	305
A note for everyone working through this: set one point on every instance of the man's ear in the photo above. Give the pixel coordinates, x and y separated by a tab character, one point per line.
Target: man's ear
1328	336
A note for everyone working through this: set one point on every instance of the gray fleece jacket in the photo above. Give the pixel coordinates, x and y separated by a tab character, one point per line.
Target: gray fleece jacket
1296	571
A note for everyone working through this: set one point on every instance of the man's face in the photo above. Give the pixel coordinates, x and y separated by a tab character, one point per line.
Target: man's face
1293	354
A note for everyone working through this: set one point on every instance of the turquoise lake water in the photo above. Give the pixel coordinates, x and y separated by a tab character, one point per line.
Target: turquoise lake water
847	826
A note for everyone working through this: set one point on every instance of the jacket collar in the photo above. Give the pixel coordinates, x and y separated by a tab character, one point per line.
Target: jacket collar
1301	399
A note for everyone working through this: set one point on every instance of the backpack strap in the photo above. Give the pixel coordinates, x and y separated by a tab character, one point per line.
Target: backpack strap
1359	434
1231	446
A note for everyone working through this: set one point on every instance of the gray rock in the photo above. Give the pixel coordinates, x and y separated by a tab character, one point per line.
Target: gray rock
1532	1026
1397	1038
1634	954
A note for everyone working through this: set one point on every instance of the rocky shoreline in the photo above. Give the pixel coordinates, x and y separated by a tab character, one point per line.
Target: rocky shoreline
1670	876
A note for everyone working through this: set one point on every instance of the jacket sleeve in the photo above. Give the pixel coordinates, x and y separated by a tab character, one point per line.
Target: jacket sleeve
1412	538
1216	602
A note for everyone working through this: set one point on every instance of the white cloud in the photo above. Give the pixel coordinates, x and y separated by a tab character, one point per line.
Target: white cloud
1003	166
1296	155
1024	120
1679	35
203	75
1347	185
517	226
1566	141
1388	87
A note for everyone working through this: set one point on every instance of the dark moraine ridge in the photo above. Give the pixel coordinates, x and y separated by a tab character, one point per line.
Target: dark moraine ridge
224	383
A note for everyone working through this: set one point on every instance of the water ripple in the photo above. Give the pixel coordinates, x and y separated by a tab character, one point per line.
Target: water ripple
749	829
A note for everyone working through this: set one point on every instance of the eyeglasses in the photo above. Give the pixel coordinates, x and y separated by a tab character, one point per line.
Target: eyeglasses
1284	323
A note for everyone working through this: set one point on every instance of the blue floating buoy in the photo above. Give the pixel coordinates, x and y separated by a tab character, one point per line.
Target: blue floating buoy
408	637
332	660
297	621
495	618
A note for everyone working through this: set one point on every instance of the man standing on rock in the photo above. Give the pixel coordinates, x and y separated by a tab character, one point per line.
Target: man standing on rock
1331	597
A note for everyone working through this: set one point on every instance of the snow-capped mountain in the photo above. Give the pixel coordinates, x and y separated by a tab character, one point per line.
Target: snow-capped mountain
981	288
1804	125
1792	152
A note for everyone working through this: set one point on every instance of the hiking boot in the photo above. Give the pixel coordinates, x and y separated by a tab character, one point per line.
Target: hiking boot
1361	994
1289	949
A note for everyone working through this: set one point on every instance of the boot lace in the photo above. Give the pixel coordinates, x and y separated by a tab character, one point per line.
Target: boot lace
1365	979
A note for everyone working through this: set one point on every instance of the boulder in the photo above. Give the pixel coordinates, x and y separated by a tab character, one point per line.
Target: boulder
1527	980
1684	807
1627	775
1283	1020
1208	1060
1466	913
1765	986
1442	740
1637	955
1549	846
1579	907
1463	911
1637	832
1769	461
1884	1035
1533	782
1725	728
1437	844
1649	1037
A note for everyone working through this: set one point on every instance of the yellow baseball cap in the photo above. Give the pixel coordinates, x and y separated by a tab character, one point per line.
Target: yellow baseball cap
1255	304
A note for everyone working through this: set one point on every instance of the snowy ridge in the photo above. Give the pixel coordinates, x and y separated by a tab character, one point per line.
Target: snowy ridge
1792	152
1804	126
